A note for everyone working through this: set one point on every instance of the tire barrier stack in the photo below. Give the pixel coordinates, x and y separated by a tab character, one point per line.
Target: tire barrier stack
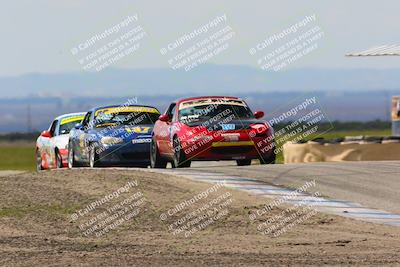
349	148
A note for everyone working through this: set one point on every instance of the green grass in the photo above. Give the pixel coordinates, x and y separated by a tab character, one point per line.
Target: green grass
19	212
18	157
337	134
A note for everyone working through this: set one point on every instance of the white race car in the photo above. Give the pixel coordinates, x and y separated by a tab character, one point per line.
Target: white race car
52	145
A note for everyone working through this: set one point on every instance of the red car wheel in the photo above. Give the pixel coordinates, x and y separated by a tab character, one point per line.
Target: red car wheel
156	161
180	160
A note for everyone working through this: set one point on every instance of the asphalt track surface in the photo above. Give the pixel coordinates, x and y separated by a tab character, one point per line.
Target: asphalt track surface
372	184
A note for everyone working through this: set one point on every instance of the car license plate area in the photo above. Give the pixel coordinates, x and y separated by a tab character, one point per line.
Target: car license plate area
231	137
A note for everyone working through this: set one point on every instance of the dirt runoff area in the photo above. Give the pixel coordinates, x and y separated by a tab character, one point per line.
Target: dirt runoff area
101	217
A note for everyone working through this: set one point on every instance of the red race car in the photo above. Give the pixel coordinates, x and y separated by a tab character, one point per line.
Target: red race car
211	128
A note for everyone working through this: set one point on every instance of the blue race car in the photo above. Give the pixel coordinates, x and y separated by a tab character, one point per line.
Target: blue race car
113	136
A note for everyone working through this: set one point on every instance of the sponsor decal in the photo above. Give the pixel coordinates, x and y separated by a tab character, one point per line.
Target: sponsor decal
71	119
141	130
114	110
141	140
211	101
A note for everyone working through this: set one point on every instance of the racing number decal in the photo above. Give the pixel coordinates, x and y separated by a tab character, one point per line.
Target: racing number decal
139	130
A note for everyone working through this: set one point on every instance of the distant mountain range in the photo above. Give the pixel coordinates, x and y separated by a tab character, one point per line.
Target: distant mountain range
345	95
36	113
206	79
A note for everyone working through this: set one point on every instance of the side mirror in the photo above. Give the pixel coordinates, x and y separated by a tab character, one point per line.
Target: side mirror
258	114
46	134
164	118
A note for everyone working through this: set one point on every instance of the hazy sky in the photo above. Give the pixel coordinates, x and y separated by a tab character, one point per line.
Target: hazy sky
37	36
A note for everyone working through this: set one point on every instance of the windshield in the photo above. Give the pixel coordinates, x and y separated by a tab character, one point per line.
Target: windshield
125	118
66	124
202	113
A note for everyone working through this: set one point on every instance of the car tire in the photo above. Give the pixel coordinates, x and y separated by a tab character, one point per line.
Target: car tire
156	161
71	157
93	157
268	160
39	166
59	163
243	162
179	160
